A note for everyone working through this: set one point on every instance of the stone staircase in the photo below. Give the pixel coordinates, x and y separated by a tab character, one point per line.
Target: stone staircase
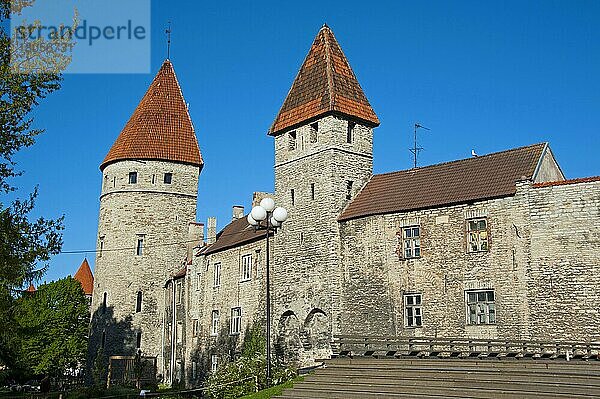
365	377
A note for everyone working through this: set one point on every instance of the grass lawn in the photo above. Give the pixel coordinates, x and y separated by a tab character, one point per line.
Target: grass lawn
276	390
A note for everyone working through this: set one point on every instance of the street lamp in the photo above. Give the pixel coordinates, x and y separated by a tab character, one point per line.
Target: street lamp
267	217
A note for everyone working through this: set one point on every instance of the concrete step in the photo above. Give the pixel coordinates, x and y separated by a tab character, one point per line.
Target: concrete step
457	377
401	386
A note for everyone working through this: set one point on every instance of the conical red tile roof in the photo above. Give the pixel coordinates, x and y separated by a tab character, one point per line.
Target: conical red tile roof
85	277
325	84
160	127
31	288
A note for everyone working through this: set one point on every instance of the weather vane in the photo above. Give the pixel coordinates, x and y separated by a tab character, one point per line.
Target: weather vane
168	32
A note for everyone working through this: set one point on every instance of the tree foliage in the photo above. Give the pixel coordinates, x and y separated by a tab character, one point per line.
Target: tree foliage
53	324
24	242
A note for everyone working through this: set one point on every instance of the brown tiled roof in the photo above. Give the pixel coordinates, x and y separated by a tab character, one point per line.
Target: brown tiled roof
235	233
31	288
85	277
181	273
564	182
325	84
160	127
466	180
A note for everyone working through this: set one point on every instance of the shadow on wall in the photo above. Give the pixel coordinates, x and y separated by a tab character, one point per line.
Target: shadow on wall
108	337
302	342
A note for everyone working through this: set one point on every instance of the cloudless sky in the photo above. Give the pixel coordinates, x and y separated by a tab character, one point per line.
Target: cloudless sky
487	76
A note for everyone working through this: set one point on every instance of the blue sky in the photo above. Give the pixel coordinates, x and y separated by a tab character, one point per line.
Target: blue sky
481	75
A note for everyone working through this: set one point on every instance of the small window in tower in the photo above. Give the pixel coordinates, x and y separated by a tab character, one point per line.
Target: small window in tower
138	302
312	191
153	179
114	181
314	131
349	184
292	140
139	248
100	246
132	177
168	178
104	301
292	196
350	132
138	340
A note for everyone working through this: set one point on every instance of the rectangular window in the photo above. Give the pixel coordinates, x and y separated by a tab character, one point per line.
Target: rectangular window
168	178
292	140
138	340
214	327
101	246
314	131
139	247
214	362
481	307
312	191
217	275
179	293
413	316
114	181
153	179
349	184
198	281
138	302
246	268
179	332
132	177
411	242
194	369
292	196
236	321
349	132
104	302
195	327
477	235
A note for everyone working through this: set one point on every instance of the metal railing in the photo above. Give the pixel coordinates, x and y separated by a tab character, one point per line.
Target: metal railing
347	345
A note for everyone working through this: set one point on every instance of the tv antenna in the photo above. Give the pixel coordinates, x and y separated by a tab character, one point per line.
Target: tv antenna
168	32
416	149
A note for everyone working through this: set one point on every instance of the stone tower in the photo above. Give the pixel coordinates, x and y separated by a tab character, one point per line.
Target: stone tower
323	156
149	194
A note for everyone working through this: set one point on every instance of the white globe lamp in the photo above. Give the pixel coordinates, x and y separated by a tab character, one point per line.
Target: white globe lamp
268	204
280	214
258	213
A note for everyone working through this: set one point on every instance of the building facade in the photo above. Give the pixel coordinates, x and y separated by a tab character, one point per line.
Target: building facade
495	246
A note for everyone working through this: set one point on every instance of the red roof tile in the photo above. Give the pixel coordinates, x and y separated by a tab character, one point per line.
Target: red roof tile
85	277
564	182
325	84
466	180
160	127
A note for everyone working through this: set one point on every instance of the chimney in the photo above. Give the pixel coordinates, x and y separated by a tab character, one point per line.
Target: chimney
258	196
211	230
195	237
238	212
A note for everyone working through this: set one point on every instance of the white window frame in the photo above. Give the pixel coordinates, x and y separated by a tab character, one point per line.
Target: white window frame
214	363
478	239
235	326
413	309
480	306
179	332
246	268
214	326
411	243
139	244
217	275
178	292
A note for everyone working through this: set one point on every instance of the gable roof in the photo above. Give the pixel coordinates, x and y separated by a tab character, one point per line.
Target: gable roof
466	180
235	233
85	277
160	127
325	84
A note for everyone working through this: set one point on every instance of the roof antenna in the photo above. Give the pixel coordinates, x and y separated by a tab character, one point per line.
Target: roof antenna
416	149
168	32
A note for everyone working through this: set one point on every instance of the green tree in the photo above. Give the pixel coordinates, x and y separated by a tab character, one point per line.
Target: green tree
25	243
53	326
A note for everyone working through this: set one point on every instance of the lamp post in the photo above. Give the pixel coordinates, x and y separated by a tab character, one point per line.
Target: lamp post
267	217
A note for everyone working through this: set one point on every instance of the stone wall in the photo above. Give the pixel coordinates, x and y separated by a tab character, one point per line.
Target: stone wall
565	261
306	252
159	213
